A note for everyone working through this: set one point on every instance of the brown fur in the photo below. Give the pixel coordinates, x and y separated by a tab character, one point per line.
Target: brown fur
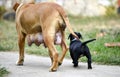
46	18
16	6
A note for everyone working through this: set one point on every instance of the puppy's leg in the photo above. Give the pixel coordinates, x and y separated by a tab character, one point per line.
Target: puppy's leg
71	54
75	62
21	43
64	49
75	59
88	55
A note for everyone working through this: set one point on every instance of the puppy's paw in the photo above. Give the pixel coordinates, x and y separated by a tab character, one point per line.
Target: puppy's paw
89	67
75	65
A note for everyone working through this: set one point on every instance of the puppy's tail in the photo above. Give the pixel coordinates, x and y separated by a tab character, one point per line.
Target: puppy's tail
84	43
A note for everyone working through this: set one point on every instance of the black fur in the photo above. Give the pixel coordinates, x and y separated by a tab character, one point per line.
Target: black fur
78	49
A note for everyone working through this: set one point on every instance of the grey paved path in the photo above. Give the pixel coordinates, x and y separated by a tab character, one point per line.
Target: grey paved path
37	66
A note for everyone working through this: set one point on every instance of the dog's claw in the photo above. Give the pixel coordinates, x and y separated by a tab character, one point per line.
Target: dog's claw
52	70
19	64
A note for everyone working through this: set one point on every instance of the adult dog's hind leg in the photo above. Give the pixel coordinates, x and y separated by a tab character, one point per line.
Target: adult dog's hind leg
50	54
64	48
21	43
49	41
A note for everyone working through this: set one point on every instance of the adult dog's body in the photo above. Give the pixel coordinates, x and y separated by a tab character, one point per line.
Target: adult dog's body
78	49
46	19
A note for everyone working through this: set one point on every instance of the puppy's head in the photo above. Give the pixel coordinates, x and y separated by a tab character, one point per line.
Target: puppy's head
71	37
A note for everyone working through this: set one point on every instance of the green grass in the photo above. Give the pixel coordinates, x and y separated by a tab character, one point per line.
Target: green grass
3	71
89	27
8	36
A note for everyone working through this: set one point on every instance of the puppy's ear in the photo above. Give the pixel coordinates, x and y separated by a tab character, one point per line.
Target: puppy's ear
80	36
16	6
69	36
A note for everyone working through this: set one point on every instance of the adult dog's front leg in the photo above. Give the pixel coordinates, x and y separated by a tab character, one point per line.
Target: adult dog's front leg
21	43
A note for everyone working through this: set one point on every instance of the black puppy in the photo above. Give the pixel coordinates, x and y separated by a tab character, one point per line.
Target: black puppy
78	49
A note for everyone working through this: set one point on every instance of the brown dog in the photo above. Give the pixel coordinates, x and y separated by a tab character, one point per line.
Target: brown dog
47	19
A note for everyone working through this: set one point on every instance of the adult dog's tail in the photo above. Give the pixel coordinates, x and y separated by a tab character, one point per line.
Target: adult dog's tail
84	43
69	27
65	18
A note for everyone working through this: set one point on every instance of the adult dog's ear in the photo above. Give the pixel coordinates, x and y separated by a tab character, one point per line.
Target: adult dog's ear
16	6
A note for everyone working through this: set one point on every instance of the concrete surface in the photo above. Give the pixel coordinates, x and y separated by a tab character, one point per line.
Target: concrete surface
37	66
